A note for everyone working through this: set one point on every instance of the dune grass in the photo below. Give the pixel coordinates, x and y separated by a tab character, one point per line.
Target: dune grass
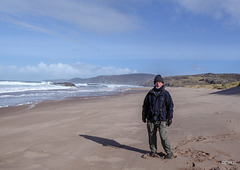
216	86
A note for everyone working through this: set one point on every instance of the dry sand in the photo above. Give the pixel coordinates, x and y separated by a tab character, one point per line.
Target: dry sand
107	133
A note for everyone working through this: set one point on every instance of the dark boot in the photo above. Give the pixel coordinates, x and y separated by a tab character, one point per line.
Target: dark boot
169	156
153	154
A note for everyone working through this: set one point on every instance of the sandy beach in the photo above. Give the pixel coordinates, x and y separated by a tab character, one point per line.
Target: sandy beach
105	133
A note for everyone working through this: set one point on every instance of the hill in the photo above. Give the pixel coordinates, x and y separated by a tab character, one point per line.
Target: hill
128	79
208	80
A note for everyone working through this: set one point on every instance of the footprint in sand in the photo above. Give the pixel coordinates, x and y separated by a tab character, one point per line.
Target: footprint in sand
208	139
196	155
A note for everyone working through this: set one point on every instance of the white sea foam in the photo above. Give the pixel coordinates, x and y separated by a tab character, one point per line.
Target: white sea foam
13	93
17	86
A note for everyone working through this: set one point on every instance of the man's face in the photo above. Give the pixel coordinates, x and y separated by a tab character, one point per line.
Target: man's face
158	84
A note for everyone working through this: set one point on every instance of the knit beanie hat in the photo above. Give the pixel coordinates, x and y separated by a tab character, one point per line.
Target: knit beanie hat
158	78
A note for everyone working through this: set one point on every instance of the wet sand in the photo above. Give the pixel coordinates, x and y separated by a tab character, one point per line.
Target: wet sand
106	133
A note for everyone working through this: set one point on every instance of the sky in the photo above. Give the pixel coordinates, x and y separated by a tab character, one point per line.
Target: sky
63	39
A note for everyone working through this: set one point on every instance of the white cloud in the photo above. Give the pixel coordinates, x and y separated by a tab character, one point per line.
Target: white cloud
94	70
43	14
59	71
218	9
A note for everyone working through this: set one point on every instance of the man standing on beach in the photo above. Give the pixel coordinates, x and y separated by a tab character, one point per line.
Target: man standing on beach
158	113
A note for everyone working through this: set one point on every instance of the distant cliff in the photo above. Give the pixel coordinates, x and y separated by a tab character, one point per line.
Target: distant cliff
128	79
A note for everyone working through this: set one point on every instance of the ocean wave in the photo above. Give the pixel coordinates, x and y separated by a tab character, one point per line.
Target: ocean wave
17	86
13	93
24	83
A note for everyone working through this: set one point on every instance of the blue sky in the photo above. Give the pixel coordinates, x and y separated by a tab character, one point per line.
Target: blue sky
62	39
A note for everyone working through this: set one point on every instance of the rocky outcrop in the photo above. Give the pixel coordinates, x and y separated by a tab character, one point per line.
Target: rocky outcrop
64	84
215	80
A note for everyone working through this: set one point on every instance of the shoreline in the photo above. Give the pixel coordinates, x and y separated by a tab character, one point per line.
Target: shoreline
130	90
105	133
113	93
20	93
4	110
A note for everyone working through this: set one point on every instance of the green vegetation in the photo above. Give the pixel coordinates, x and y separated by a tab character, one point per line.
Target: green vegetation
208	80
216	86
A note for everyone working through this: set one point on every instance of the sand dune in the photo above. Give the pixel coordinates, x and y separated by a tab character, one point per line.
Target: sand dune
107	133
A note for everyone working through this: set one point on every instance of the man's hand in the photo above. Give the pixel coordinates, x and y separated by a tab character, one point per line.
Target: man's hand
169	122
144	120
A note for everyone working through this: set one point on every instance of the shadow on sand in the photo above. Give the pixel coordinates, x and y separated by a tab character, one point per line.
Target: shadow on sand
112	143
232	91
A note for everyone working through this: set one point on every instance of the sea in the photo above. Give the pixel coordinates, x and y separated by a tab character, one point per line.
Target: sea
15	93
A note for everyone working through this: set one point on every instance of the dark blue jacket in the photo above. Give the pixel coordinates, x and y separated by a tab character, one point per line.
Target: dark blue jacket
157	105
